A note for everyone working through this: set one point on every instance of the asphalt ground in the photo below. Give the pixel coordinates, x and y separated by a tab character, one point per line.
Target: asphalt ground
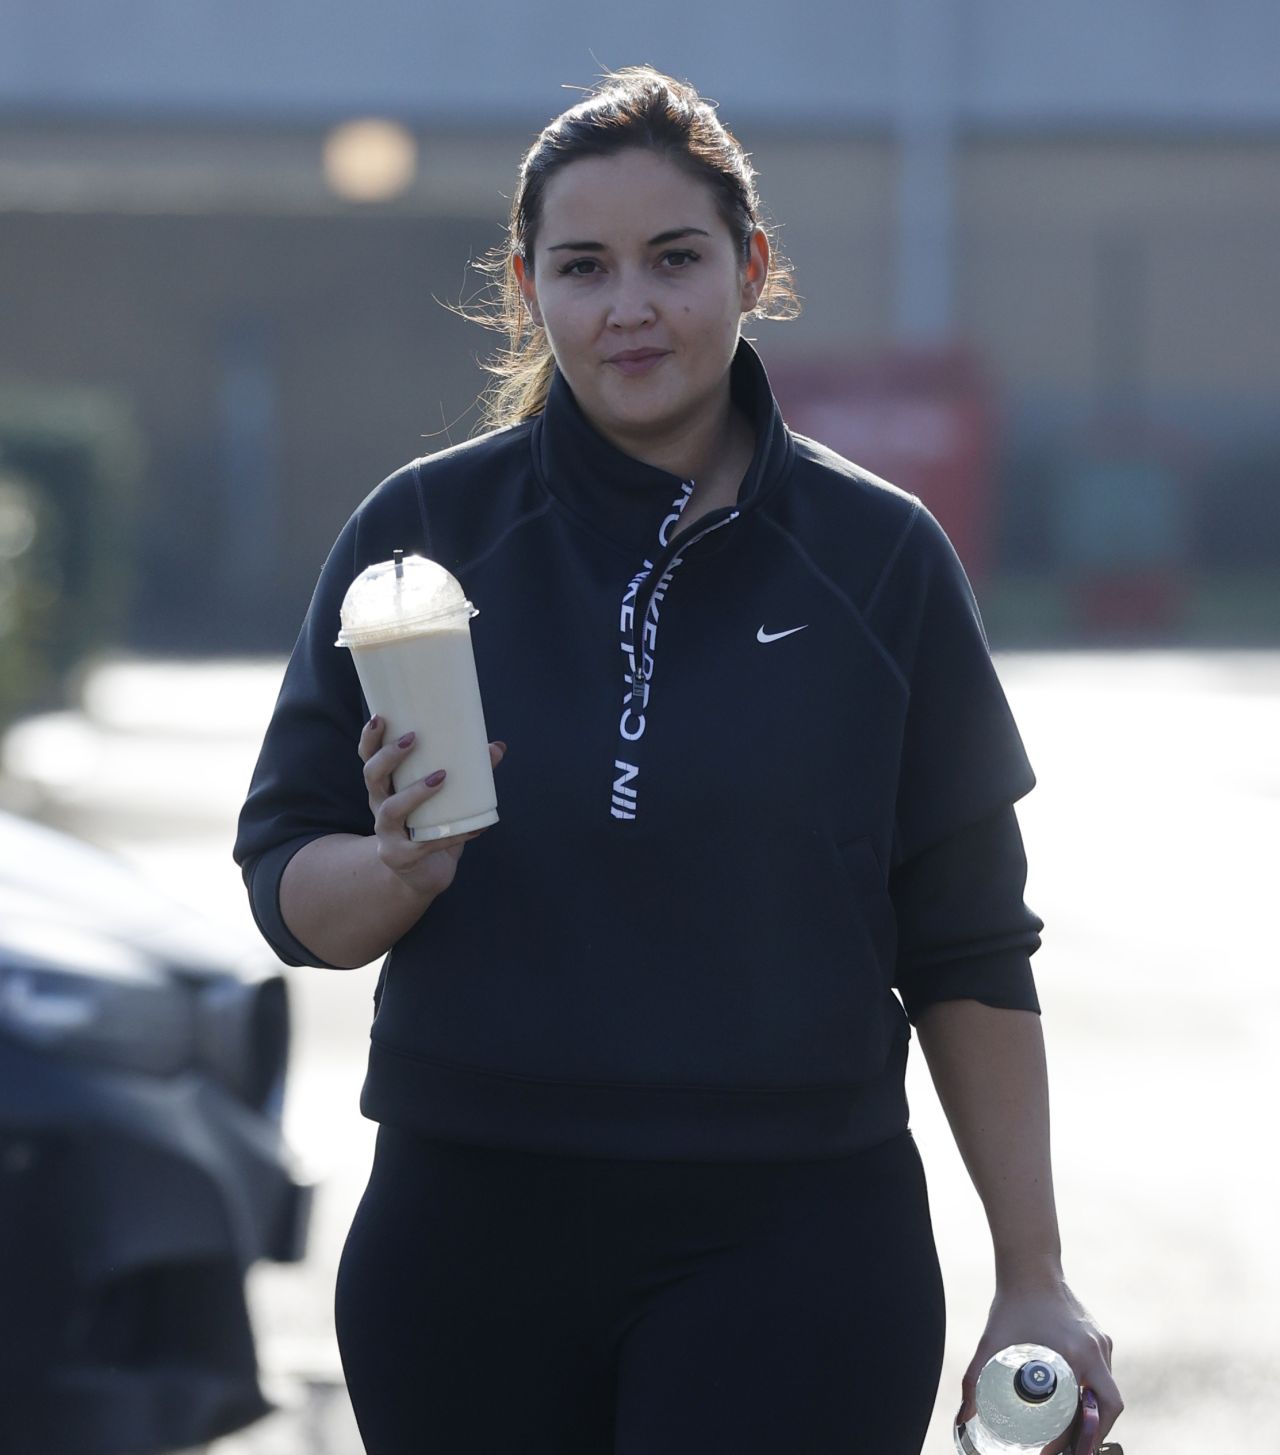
1152	838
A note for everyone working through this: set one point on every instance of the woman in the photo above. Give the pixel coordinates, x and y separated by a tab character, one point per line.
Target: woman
643	1177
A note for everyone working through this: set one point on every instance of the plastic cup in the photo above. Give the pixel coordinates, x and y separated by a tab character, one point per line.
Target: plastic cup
407	624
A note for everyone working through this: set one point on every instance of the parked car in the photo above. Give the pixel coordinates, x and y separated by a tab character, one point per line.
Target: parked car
142	1165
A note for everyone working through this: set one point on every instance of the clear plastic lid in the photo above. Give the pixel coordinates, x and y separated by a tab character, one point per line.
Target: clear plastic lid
400	598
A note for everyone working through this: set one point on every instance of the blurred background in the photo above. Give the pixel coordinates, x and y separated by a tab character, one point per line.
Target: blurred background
1037	251
1037	248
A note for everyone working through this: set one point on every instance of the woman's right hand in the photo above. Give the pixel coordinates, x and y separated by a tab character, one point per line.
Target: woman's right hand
428	866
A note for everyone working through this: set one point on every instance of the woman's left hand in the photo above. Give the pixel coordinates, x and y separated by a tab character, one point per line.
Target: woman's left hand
1049	1314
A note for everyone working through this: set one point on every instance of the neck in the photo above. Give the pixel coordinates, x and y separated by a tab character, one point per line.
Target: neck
715	453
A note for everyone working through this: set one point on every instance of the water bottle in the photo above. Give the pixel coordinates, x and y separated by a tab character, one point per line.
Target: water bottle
1026	1397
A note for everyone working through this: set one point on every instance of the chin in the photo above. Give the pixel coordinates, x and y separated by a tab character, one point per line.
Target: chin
658	411
641	423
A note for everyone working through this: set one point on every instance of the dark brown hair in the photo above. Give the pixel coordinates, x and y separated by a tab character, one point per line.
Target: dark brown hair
636	107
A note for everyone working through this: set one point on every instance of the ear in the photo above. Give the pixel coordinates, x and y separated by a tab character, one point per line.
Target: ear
524	279
755	274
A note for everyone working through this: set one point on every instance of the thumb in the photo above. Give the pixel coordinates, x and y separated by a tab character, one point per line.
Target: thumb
968	1393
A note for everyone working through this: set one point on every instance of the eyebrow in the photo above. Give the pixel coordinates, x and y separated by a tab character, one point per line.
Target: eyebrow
662	237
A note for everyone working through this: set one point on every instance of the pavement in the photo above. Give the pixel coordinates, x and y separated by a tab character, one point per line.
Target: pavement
1152	839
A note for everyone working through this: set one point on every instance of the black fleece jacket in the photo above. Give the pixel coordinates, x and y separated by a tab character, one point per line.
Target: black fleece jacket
719	856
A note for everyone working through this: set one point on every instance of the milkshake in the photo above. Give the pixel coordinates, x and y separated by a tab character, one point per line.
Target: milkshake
407	624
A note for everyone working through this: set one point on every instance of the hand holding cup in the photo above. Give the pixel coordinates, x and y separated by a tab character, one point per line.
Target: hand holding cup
426	865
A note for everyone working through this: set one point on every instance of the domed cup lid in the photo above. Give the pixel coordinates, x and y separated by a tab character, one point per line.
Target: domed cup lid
400	598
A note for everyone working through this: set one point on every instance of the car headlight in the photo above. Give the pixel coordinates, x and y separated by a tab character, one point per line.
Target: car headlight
242	1031
81	996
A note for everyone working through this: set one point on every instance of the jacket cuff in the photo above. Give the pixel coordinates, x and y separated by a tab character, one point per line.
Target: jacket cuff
964	929
262	877
1003	980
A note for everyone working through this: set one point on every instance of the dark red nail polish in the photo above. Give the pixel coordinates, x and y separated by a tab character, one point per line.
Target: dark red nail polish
406	740
434	780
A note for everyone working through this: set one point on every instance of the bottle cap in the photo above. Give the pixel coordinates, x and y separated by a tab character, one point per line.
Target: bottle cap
400	598
1035	1381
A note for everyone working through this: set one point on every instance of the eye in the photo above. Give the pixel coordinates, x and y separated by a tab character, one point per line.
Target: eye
679	258
579	268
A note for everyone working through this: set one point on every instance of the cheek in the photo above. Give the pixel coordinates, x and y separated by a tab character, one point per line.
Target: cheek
568	337
564	318
552	325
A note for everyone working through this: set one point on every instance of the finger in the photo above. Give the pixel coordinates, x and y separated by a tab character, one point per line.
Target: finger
1070	1443
371	736
1100	1401
1110	1405
378	769
497	751
1090	1435
407	852
395	848
397	806
969	1393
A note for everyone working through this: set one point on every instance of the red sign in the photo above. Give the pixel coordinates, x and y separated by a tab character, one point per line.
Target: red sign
921	419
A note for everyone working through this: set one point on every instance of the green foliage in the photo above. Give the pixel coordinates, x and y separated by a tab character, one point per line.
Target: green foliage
69	473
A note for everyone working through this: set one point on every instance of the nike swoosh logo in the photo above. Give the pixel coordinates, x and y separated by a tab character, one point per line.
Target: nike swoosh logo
764	636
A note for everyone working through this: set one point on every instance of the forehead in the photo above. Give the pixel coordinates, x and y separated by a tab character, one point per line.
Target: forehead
615	200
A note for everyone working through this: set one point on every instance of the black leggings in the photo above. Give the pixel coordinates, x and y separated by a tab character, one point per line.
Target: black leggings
492	1302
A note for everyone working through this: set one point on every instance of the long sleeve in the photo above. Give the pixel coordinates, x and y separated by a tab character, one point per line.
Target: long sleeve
958	871
964	930
308	779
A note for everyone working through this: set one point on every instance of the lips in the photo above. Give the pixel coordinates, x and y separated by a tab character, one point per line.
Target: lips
637	361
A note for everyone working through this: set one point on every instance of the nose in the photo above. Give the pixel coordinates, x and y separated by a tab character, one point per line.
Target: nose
631	305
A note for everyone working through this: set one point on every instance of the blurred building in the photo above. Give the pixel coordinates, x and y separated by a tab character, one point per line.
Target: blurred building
1086	199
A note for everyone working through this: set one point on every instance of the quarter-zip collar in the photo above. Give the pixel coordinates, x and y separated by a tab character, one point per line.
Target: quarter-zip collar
623	497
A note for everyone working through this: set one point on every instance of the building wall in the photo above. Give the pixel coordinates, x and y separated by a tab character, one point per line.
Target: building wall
1114	169
1186	63
350	369
1081	260
1094	273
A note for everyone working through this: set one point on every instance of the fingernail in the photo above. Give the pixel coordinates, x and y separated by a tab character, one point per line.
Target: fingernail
406	740
1090	1400
498	743
434	780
